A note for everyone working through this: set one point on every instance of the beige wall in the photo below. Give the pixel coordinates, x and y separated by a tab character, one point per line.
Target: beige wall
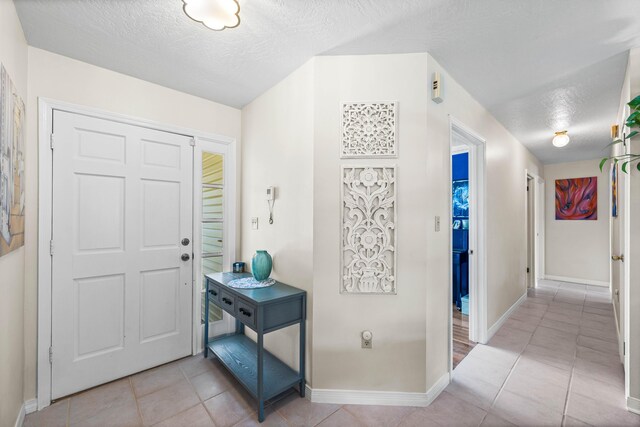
277	151
64	79
411	328
397	361
577	250
505	194
13	55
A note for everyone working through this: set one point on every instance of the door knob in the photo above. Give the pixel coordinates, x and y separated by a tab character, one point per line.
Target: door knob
185	242
185	257
618	258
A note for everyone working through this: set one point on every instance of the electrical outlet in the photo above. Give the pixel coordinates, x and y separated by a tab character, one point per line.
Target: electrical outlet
367	339
254	223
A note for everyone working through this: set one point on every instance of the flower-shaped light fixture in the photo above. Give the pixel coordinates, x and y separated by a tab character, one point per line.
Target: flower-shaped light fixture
214	14
561	139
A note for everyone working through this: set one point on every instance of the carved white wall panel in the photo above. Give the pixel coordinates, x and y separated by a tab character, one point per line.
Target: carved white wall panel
368	230
369	130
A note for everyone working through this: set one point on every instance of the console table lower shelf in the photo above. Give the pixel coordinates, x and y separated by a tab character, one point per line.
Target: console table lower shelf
263	310
239	354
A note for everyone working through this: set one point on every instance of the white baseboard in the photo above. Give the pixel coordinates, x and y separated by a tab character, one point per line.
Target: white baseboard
580	281
30	406
27	408
387	398
20	419
633	405
493	329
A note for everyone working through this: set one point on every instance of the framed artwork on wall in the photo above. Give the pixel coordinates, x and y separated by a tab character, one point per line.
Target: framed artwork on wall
12	113
577	199
460	196
614	190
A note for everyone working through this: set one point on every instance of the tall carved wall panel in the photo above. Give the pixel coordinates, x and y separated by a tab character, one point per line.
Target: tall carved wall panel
368	230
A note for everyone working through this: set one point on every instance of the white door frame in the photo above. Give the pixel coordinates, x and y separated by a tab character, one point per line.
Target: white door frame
478	330
538	222
229	202
45	189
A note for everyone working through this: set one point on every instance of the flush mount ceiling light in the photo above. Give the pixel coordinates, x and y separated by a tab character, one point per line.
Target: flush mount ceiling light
561	139
214	14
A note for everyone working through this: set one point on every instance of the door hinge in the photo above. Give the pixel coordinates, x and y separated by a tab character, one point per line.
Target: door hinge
51	247
50	355
51	139
527	269
192	142
624	348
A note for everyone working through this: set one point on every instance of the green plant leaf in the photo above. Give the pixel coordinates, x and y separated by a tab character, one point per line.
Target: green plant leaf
631	135
635	103
634	119
624	166
614	142
603	162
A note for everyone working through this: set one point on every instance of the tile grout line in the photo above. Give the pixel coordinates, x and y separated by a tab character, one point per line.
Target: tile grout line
135	398
573	366
495	399
201	402
68	423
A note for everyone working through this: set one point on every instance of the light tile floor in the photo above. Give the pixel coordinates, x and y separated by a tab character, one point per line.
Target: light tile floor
554	362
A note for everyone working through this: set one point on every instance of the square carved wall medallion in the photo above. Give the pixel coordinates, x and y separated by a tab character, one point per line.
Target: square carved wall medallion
369	130
368	264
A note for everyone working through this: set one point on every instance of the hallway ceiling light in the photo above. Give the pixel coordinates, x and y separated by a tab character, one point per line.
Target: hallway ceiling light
561	139
214	14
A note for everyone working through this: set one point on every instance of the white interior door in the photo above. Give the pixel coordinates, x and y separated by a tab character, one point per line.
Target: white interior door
121	293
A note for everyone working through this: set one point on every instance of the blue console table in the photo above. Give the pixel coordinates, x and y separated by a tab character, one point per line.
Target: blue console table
263	310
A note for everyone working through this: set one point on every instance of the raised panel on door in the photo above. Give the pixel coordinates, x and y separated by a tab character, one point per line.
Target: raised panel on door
99	212
121	295
160	214
159	304
98	328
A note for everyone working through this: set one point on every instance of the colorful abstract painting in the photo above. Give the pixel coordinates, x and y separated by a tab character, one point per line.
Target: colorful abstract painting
460	192
614	190
11	166
577	199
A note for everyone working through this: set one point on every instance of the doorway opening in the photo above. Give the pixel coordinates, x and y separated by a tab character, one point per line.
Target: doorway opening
531	240
534	232
468	324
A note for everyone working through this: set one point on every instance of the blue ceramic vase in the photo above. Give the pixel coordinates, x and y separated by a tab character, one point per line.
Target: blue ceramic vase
261	264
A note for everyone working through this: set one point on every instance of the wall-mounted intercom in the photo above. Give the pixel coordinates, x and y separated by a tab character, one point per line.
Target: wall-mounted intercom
271	197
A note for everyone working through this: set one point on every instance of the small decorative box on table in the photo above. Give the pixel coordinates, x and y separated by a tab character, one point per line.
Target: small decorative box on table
263	310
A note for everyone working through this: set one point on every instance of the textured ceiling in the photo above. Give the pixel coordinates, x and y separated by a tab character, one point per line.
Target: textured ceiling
538	66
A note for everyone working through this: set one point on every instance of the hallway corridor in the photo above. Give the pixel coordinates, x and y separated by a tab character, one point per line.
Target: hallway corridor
554	362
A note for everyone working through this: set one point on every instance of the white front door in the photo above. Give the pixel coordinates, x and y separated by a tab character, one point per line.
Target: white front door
121	292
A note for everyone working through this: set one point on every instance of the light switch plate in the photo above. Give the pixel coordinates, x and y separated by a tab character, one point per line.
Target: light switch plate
437	223
254	223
